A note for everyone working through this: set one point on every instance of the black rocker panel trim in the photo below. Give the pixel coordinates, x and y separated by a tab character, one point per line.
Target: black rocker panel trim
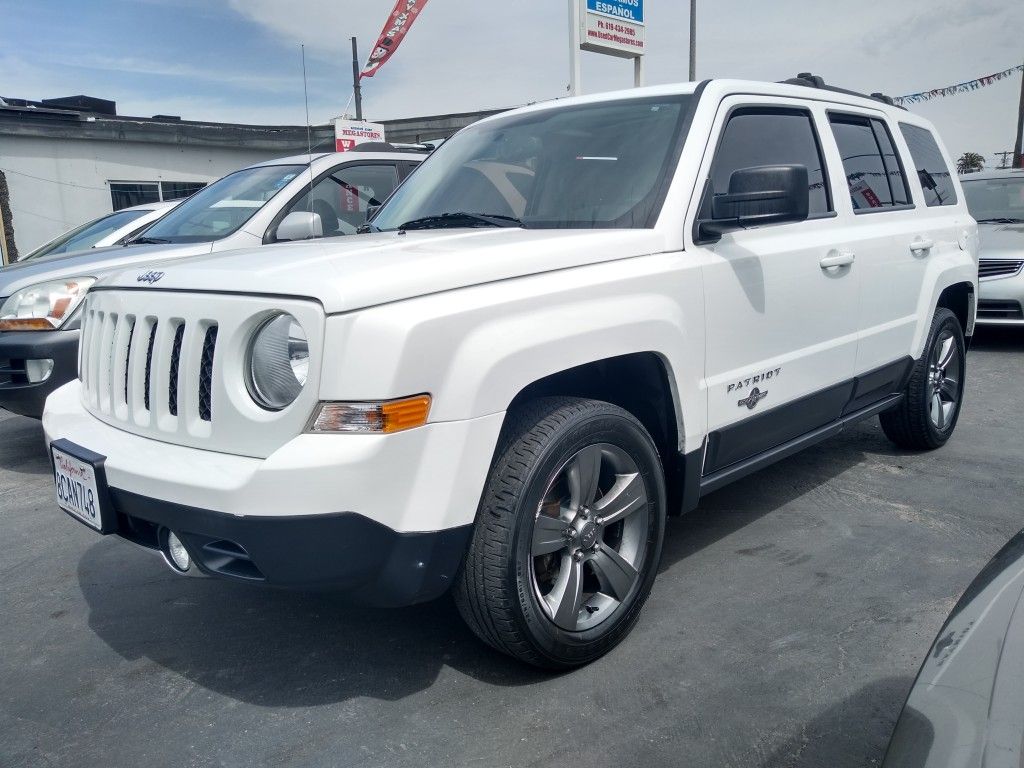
760	433
716	480
874	385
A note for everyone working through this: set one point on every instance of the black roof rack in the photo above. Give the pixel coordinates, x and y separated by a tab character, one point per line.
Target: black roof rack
808	80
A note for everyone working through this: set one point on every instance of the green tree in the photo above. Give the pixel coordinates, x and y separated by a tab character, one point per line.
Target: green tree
970	162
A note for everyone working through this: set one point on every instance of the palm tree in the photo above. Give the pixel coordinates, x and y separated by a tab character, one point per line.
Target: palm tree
970	162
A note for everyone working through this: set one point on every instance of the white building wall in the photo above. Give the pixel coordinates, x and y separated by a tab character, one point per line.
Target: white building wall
58	184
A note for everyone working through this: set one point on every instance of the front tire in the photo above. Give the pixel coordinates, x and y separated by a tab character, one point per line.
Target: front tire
927	416
568	535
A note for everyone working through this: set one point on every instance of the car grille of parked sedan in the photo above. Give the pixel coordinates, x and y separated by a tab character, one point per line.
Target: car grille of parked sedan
999	309
999	267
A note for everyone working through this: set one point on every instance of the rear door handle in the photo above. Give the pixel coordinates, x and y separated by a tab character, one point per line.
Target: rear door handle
837	259
921	244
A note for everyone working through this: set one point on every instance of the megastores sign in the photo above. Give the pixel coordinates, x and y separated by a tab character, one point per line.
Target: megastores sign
613	26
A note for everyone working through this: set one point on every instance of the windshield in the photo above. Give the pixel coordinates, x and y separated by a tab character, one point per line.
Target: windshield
87	235
585	166
995	199
221	208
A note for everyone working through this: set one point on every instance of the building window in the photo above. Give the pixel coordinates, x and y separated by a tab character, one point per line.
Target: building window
125	194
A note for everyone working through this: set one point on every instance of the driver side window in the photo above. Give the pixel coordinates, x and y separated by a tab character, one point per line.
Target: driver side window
757	136
342	198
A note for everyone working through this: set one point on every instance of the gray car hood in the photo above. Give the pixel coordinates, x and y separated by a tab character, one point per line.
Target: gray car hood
95	262
1001	241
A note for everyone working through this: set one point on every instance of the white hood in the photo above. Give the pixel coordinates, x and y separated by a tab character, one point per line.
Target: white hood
359	271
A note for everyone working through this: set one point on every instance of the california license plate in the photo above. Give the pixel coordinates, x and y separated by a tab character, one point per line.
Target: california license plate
81	486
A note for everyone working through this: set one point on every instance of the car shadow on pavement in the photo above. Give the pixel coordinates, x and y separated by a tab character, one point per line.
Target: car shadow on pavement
272	647
748	499
24	448
852	733
998	337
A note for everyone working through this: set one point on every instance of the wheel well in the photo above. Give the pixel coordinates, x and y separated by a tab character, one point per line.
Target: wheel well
956	298
638	383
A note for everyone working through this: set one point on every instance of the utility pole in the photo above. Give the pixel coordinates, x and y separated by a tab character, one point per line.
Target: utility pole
575	68
1004	163
1018	161
693	40
357	89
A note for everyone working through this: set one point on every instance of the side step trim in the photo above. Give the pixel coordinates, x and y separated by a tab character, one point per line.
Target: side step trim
723	477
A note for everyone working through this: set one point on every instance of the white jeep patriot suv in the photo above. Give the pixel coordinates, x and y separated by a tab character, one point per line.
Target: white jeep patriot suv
572	320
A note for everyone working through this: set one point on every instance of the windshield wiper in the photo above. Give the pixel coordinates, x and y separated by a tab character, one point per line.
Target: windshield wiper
1001	220
147	241
460	219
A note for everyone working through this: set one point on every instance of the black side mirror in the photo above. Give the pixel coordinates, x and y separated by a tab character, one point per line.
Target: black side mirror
767	194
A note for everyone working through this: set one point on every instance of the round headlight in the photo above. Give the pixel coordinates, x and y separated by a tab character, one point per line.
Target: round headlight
278	362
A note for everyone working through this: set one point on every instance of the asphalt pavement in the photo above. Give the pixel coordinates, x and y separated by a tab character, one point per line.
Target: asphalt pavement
788	621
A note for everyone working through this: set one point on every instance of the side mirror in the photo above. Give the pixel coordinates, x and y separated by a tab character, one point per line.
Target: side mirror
299	225
766	194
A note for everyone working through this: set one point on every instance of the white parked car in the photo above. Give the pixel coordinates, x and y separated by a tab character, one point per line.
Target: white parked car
115	228
292	198
574	319
996	200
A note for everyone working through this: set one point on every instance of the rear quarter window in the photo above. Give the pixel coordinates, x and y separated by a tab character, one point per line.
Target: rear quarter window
932	171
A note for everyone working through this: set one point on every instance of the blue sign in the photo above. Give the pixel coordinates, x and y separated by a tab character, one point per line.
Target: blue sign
627	10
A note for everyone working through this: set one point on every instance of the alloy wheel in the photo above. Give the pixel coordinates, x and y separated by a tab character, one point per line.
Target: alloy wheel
944	380
590	537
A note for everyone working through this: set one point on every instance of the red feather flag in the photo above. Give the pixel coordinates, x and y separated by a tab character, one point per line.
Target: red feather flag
394	32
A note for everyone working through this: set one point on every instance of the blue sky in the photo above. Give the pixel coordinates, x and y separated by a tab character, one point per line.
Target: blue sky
238	60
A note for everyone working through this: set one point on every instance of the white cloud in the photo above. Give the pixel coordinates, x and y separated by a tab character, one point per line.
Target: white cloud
465	56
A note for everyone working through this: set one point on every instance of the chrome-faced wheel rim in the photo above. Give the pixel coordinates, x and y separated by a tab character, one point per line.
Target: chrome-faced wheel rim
589	537
943	380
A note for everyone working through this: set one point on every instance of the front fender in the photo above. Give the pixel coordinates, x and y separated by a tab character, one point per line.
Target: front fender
475	349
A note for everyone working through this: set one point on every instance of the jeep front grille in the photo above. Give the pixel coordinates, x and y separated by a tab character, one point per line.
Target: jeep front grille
125	380
206	374
999	267
169	365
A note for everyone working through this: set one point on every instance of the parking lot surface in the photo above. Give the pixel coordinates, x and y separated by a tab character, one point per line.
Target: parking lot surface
786	626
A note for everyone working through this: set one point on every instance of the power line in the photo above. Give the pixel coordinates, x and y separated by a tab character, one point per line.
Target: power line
62	222
54	181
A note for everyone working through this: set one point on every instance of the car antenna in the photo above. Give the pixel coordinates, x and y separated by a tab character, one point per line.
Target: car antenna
309	140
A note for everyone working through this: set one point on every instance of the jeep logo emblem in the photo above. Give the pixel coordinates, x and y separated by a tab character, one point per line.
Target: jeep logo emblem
751	400
149	277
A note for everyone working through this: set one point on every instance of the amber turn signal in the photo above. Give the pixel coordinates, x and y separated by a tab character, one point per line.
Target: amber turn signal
382	417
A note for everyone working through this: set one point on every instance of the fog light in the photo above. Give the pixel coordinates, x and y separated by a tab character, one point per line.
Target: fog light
37	371
176	554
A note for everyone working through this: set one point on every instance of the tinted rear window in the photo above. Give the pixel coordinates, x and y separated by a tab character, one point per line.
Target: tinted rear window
873	171
936	180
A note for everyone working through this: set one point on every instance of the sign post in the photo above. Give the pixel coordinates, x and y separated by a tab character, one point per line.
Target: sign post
611	27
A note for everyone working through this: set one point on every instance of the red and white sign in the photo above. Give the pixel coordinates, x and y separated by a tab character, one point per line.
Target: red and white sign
351	133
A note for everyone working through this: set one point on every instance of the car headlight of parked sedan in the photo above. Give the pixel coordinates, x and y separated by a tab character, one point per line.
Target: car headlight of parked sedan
278	362
44	307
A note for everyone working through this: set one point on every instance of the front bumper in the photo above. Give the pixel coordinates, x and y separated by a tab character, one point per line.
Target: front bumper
1001	300
343	551
17	394
386	517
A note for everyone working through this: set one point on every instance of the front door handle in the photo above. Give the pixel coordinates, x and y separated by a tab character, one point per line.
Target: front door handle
837	259
921	244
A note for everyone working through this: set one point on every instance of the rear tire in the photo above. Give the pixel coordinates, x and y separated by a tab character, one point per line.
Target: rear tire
568	534
927	416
